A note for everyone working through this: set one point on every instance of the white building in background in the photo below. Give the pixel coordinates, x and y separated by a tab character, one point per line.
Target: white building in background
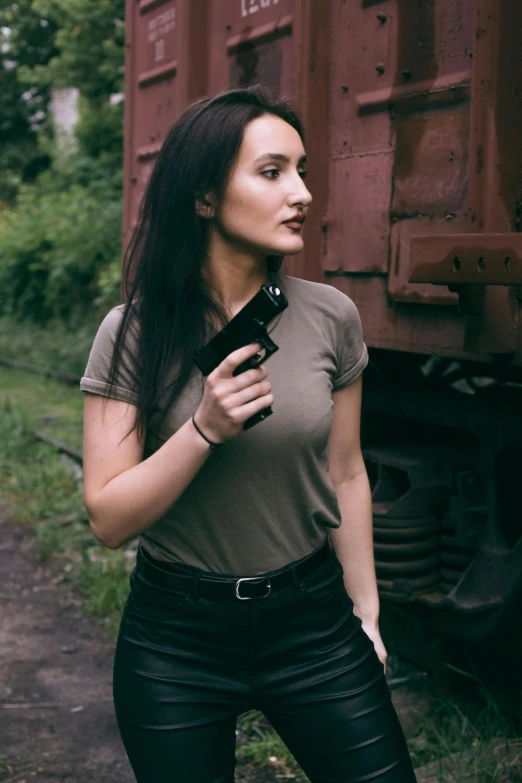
65	109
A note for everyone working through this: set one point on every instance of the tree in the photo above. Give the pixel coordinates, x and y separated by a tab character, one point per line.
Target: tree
26	40
60	246
90	43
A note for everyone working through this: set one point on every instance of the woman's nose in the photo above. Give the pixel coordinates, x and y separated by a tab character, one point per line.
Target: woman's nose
302	196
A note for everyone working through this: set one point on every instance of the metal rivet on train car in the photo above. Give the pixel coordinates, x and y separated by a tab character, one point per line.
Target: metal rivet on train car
382	18
380	68
345	89
406	73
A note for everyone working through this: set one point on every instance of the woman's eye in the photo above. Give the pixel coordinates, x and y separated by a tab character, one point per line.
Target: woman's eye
268	172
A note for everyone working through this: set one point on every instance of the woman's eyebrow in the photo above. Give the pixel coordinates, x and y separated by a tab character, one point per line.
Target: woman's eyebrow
278	156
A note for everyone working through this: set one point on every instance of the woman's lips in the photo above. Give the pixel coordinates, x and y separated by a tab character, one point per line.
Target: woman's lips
295	226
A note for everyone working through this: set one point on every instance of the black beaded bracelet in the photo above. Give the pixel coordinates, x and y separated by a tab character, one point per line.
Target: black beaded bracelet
213	446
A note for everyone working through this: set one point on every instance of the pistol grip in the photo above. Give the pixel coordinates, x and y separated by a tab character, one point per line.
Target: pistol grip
257	417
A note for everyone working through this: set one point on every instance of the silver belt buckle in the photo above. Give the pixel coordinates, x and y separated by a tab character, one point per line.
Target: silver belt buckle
252	579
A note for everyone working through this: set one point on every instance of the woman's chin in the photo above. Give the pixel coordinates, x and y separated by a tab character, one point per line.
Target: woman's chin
288	248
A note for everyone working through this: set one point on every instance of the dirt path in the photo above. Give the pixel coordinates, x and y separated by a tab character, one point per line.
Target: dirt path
57	718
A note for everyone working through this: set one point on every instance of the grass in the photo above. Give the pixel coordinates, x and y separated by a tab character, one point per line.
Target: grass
478	742
259	745
465	740
56	347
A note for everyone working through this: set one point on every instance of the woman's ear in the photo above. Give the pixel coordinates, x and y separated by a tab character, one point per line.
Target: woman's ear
205	206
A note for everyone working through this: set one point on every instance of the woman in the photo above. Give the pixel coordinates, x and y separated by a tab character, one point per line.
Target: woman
248	592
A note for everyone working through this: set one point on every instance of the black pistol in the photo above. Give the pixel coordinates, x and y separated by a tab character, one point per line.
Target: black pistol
247	326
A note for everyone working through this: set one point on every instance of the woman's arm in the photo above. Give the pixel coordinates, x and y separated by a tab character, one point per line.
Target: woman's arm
353	540
123	493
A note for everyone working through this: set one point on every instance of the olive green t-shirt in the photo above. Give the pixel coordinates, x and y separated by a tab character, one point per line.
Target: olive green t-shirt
265	498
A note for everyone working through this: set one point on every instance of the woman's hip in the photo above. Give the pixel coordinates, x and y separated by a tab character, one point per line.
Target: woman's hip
296	636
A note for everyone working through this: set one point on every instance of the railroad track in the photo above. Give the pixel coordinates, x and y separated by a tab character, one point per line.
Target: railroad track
64	377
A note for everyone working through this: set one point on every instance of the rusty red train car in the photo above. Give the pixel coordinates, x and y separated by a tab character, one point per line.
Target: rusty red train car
413	114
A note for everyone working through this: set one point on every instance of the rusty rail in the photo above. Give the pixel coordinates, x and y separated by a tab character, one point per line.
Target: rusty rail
66	377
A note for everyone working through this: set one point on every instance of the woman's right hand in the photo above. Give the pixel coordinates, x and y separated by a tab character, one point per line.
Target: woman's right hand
228	400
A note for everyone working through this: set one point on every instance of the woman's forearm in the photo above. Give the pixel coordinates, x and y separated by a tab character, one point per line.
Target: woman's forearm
353	545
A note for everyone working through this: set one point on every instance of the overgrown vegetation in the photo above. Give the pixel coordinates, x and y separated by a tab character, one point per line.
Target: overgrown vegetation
60	227
60	248
464	739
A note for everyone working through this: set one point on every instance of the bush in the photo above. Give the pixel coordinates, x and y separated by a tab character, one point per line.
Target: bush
60	245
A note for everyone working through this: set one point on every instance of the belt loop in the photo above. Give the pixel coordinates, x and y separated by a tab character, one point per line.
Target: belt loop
195	587
297	584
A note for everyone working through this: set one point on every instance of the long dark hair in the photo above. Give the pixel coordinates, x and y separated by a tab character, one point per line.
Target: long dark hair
168	298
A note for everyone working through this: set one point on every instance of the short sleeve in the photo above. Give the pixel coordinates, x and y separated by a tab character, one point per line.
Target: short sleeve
352	353
96	376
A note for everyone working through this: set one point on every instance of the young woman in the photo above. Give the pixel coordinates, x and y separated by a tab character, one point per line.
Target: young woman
254	586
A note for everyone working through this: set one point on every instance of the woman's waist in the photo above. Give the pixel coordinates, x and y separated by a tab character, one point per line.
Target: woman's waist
186	578
230	550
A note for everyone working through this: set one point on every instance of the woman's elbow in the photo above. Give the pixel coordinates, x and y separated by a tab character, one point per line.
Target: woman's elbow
103	536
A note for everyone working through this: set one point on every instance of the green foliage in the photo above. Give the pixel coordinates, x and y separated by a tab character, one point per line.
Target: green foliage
90	41
60	237
26	41
55	348
52	44
100	131
64	232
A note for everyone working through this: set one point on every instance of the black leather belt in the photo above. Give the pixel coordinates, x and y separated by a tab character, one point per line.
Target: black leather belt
243	588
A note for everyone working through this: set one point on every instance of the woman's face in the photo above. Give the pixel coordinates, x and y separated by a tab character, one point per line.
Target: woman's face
266	188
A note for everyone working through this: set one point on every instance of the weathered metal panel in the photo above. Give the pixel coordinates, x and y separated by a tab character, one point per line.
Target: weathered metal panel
431	162
434	89
252	41
496	154
358	229
398	127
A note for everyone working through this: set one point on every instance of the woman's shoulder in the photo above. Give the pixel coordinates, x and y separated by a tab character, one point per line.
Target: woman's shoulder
322	294
109	326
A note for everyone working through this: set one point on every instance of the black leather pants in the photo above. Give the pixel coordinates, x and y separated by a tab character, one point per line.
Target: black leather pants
184	669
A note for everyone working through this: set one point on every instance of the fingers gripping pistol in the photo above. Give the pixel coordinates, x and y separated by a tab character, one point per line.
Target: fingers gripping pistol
248	326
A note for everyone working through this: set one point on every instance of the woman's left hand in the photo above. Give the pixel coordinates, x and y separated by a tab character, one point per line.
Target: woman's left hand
372	631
